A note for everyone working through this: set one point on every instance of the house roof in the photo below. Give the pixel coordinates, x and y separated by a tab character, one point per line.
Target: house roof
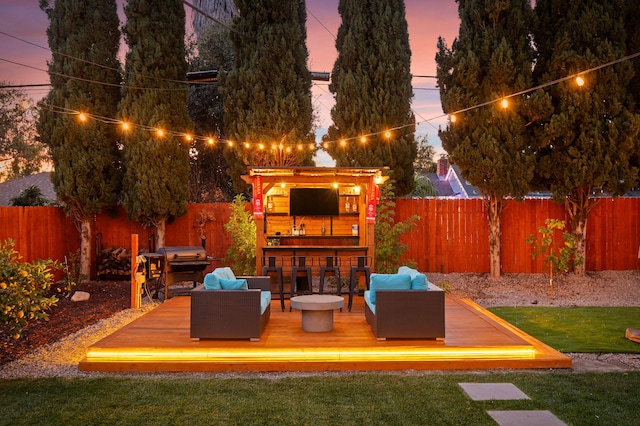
13	188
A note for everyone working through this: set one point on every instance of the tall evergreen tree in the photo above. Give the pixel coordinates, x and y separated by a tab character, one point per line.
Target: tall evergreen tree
592	134
85	76
371	82
491	58
267	93
157	166
208	181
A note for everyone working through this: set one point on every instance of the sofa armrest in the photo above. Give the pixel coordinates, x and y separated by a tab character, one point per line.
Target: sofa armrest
410	314
260	282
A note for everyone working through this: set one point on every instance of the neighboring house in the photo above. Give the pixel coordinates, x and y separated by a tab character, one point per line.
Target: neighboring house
448	181
12	188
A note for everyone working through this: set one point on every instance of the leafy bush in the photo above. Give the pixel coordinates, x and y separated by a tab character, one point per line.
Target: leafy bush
242	229
24	289
558	259
387	232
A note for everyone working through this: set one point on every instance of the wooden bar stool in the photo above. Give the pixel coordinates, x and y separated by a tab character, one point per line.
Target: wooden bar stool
300	264
331	267
359	265
271	264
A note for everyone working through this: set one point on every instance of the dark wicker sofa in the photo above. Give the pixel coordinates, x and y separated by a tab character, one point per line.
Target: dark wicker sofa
408	314
229	314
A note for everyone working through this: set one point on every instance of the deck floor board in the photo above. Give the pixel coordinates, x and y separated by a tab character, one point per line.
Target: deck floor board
475	339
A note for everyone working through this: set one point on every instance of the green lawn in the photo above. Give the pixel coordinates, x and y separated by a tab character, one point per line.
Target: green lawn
577	329
345	399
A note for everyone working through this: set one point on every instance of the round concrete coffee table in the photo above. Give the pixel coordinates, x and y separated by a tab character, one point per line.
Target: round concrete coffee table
317	311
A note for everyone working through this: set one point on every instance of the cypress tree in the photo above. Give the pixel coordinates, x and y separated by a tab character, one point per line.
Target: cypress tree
85	76
155	98
491	58
208	181
371	82
267	93
591	135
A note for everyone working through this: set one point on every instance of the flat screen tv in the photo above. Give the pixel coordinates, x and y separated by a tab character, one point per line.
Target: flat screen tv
313	202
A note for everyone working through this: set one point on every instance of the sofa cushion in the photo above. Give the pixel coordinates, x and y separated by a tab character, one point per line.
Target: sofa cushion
235	284
367	300
418	279
224	272
388	282
212	282
265	301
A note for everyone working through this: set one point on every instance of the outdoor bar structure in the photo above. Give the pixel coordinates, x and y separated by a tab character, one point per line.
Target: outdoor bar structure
314	213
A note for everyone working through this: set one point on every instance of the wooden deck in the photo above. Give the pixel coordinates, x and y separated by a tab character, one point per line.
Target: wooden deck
475	339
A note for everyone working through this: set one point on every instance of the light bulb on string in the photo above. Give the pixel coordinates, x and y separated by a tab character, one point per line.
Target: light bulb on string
504	103
160	133
125	126
210	141
387	134
453	118
325	145
230	144
188	138
82	117
363	139
343	143
580	81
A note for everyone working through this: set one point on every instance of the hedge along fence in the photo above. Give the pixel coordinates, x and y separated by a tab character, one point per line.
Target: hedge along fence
452	235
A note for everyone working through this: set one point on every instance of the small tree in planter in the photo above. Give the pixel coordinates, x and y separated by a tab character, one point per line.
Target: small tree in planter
558	259
242	229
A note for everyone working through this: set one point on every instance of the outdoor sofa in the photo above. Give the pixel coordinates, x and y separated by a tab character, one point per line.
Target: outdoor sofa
404	306
229	307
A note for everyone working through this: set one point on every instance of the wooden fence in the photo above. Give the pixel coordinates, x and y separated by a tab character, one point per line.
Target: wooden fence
451	236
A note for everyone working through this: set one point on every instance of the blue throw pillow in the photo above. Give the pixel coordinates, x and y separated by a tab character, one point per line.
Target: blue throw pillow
236	284
418	280
388	282
224	273
212	282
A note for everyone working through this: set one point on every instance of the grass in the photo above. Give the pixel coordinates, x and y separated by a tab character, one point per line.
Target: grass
349	399
577	329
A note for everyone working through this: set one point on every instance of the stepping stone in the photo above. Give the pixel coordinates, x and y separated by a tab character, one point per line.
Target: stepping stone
488	391
526	418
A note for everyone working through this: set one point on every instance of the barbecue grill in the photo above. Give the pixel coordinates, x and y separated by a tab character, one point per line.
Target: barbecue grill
171	265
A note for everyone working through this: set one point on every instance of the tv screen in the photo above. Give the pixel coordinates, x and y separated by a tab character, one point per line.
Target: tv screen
313	202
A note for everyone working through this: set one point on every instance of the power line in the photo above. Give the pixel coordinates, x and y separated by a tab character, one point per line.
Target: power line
217	21
320	22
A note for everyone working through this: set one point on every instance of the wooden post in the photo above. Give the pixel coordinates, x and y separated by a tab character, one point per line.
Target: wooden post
135	291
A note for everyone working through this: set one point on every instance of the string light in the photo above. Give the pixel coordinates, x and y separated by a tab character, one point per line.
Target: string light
453	116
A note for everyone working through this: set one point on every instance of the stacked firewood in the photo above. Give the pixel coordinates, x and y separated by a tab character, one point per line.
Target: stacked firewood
113	261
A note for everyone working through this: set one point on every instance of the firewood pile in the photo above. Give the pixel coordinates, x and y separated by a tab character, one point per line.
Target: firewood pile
113	262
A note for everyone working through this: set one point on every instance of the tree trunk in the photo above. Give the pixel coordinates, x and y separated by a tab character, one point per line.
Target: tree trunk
85	249
161	227
578	204
495	230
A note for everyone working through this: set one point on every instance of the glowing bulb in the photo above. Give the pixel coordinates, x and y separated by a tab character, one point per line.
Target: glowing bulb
387	134
281	184
82	117
230	144
125	126
363	139
335	185
288	150
312	146
300	147
579	81
343	143
504	103
453	118
210	141
160	133
325	145
261	146
247	145
188	138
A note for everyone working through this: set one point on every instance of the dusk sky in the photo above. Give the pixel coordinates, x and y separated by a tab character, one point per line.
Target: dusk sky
23	63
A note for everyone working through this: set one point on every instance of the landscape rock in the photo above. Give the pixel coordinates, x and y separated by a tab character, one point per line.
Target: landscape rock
80	296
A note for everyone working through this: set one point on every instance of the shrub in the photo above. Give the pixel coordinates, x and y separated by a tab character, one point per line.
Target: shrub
242	229
24	289
389	249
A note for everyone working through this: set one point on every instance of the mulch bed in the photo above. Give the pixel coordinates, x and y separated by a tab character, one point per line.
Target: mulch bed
67	317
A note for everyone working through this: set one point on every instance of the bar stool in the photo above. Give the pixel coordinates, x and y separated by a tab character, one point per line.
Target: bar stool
300	264
330	267
274	264
359	265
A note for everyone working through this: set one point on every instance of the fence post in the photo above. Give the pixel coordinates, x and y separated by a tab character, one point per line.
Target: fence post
135	291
